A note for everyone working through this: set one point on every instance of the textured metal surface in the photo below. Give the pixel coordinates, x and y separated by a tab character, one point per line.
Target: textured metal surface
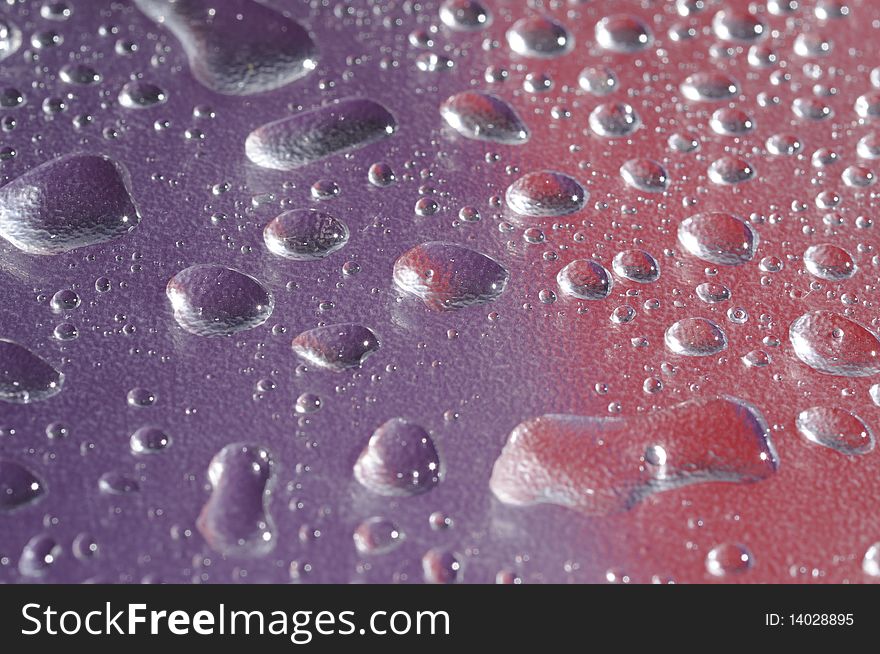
471	373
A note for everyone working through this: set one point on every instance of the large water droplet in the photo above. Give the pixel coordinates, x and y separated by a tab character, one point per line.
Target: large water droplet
719	238
149	440
235	520
728	170
211	300
598	80
299	140
377	536
546	194
695	337
336	347
713	86
623	33
585	279
829	262
239	47
598	465
400	460
141	95
19	486
67	203
449	276
484	117
645	175
835	428
305	235
10	38
465	15
834	344
738	25
26	377
614	120
38	556
539	37
636	266
728	559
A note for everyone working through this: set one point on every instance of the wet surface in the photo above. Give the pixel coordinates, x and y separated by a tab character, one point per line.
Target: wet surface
378	292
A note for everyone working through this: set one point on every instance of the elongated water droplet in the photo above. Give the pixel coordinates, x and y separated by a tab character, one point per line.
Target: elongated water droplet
465	15
235	520
837	429
449	276
829	262
718	237
623	33
598	465
67	203
645	175
336	347
305	235
149	440
141	95
484	117
713	86
400	460
239	47
377	536
539	37
728	559
26	377
39	556
299	140
546	194
834	344
19	487
695	337
211	300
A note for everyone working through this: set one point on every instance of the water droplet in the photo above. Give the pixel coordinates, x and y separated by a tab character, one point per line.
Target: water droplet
591	464
598	80
871	561
67	203
623	33
738	25
484	117
79	74
834	344
26	377
301	139
141	95
141	397
786	145
336	347
440	566
464	15
381	175
19	487
308	403
64	300
449	276
235	520
149	440
728	559
731	122
400	460
713	86
305	235
614	120
546	194
636	266
645	175
695	337
868	105
38	556
835	428
241	48
719	238
585	279
858	177
829	262
10	38
376	536
713	293
811	109
115	483
868	146
211	300
729	170
539	37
